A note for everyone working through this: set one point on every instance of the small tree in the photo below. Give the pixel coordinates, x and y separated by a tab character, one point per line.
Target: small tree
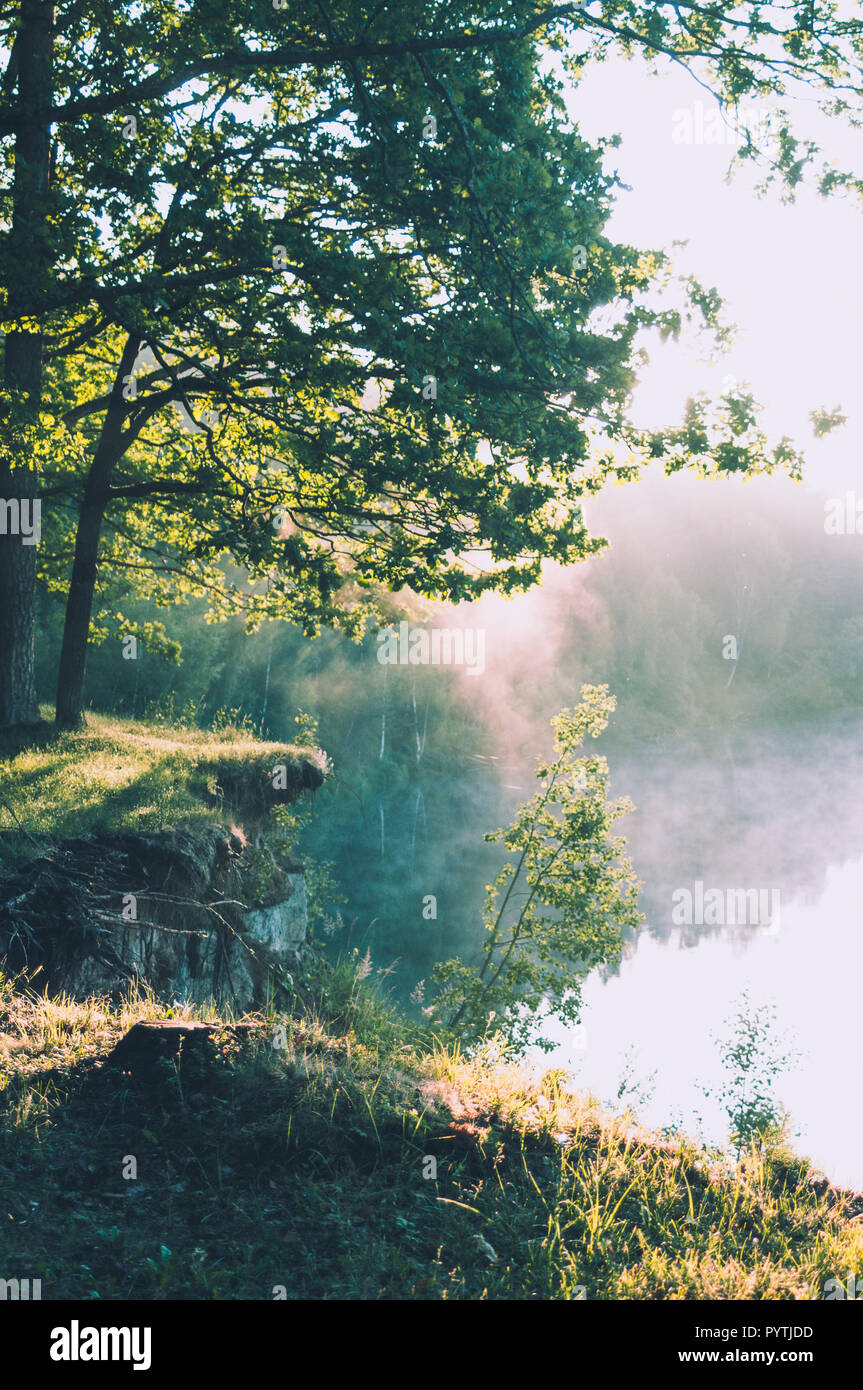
753	1056
559	905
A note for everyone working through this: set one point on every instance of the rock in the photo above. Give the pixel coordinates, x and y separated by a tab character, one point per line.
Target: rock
155	1039
194	914
282	927
250	787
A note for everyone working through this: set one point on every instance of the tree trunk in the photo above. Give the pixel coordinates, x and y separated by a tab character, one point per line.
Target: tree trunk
29	263
79	603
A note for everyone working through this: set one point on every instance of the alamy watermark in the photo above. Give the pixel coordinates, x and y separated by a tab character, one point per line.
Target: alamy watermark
843	516
21	517
77	1343
435	646
721	907
20	1290
702	124
851	1291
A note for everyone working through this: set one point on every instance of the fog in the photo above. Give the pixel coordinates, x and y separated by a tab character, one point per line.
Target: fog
740	782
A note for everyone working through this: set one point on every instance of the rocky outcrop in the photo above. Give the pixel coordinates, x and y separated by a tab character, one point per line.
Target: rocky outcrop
249	788
193	914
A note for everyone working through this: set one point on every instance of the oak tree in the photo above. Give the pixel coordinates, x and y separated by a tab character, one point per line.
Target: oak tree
325	290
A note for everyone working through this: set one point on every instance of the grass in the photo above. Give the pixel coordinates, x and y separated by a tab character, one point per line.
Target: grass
306	1169
122	774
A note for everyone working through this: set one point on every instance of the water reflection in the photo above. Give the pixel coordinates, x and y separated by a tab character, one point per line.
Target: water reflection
778	809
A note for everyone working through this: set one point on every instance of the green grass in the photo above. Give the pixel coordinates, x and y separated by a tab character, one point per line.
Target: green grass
305	1166
121	774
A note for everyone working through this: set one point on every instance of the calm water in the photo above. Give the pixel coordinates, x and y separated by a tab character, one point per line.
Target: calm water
782	812
779	811
668	998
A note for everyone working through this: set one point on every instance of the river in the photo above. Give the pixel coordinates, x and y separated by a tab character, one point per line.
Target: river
777	810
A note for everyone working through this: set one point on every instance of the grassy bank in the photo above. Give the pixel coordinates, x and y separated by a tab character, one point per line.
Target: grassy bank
122	774
361	1158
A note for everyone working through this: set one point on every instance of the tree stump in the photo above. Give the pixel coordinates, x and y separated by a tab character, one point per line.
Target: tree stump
155	1040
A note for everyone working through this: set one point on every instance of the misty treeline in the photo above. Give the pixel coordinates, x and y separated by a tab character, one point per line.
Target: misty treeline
714	607
656	616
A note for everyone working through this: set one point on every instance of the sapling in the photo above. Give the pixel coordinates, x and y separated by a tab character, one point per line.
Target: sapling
753	1057
561	902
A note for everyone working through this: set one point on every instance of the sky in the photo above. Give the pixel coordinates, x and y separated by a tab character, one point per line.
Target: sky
791	275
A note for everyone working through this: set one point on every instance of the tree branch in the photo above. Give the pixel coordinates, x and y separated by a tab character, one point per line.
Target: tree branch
284	59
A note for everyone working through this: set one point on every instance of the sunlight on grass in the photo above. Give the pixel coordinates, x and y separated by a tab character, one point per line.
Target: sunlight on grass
121	774
322	1131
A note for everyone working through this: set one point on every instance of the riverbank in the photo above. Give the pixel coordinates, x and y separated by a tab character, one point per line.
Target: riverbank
346	1153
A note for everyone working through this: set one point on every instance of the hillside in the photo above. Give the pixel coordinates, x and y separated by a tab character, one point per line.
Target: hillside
121	774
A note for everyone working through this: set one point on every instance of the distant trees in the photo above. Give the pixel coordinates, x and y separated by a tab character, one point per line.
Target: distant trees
649	617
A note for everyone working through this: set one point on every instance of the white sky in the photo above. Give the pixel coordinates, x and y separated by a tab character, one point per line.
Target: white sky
791	276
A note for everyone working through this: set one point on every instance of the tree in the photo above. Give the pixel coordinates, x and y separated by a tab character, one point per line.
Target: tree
561	901
25	267
361	250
